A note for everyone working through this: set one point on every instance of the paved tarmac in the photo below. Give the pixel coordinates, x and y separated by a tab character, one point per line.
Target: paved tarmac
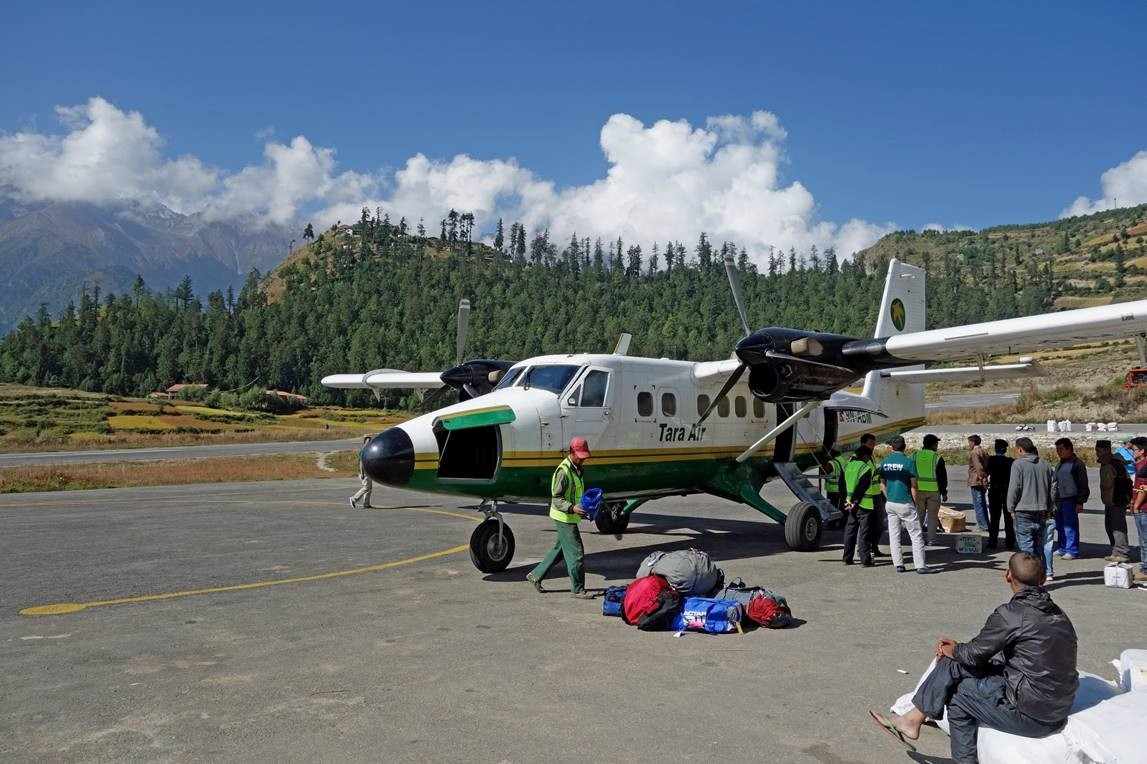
418	657
176	452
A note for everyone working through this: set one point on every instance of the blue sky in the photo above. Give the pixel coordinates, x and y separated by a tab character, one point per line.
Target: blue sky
907	113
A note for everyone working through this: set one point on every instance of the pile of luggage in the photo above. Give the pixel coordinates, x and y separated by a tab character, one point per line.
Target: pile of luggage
685	591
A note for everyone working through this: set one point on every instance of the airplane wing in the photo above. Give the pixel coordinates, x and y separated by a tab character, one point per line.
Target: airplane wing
707	370
1017	335
1025	368
385	379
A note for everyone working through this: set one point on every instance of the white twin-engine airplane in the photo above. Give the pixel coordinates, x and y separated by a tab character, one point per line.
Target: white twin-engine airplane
660	427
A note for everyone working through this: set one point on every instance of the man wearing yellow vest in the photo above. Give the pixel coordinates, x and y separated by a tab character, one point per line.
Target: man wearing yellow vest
833	471
566	490
861	487
931	485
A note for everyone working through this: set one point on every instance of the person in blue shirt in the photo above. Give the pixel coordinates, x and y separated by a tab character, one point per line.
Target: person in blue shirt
1124	453
898	483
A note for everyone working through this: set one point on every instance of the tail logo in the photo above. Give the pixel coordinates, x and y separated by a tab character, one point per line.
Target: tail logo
898	314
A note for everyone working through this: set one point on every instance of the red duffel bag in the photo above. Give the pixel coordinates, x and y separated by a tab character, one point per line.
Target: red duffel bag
641	597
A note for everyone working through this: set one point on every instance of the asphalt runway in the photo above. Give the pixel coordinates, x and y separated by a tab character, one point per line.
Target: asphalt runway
176	452
387	645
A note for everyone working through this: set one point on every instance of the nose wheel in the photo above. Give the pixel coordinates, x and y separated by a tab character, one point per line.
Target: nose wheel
492	543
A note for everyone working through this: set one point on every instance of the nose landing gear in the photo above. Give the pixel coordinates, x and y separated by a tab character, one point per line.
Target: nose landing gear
492	543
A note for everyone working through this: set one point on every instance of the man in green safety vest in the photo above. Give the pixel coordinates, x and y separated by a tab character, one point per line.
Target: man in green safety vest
833	471
931	485
566	489
861	487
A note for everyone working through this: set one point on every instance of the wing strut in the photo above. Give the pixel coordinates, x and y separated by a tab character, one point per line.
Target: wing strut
772	434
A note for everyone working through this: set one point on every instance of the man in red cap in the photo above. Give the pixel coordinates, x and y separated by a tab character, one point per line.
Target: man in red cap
566	489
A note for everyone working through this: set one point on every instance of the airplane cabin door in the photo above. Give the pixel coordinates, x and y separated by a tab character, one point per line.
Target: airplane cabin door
587	409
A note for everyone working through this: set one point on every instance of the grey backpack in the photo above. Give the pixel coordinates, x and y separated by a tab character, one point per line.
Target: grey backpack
689	571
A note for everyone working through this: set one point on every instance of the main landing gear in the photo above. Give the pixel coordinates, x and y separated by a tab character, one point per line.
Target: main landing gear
492	543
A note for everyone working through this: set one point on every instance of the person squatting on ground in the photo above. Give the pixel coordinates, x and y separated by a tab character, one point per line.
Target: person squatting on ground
876	522
861	487
1115	493
1031	502
1028	690
931	485
999	472
898	481
1071	475
367	484
1139	503
978	481
566	489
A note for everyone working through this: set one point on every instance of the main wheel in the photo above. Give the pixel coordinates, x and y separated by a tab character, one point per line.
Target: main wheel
490	551
610	519
803	527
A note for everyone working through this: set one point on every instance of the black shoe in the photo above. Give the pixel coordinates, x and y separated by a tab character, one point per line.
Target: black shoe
847	562
867	563
992	545
878	553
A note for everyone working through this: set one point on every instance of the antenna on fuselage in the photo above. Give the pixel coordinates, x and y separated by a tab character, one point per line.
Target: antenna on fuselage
622	346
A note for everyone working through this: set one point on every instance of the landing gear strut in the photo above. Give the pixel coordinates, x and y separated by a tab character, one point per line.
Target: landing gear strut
492	543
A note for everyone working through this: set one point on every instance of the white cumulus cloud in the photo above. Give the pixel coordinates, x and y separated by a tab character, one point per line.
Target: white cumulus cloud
1124	184
667	180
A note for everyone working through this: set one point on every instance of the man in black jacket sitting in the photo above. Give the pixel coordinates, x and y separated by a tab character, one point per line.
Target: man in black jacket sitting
1017	675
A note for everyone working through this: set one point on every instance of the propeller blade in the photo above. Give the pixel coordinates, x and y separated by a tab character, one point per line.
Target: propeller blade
738	297
733	379
463	327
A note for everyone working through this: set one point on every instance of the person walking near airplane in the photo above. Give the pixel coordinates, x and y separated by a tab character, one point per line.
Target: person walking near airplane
931	485
1031	502
898	481
367	483
999	473
861	487
1115	493
876	522
978	482
1071	475
566	489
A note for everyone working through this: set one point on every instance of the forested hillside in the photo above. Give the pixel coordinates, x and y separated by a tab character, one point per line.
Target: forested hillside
1089	260
377	295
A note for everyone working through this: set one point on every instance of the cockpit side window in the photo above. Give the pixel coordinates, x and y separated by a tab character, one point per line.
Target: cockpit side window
553	378
593	389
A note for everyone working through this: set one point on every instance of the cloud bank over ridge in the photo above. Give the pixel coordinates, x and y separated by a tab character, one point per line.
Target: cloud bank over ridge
668	180
1124	184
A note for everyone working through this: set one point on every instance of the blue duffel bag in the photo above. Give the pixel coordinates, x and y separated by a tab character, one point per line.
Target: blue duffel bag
612	602
708	615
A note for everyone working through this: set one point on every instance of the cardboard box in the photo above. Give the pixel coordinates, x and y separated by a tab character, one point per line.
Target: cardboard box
953	520
969	543
1117	576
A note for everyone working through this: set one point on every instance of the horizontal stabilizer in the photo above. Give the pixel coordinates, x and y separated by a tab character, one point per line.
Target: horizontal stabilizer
1026	368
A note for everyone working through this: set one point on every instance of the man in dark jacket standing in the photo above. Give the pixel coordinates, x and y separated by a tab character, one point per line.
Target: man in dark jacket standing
999	473
1031	502
1071	474
1030	694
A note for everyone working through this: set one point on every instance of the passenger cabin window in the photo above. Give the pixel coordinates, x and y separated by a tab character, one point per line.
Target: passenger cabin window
645	403
723	407
758	408
552	378
668	404
739	407
702	404
593	388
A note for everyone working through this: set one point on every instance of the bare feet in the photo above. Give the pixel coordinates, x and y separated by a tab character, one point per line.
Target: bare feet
909	724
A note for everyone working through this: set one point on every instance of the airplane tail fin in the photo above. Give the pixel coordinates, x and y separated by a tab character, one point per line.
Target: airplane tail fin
902	310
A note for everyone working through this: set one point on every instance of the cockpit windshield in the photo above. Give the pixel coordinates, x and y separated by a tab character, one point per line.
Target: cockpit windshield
510	377
552	378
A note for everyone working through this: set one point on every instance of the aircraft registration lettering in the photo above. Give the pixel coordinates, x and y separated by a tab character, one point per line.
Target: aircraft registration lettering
669	434
855	417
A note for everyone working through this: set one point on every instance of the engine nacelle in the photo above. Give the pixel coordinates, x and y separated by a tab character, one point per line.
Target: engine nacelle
782	380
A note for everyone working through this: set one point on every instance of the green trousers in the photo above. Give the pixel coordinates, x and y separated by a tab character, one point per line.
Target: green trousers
568	546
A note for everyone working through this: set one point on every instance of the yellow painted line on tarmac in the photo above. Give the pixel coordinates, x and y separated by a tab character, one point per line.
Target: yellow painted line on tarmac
61	608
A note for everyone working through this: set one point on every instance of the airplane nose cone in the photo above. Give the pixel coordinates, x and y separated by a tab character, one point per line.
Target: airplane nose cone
389	457
752	349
